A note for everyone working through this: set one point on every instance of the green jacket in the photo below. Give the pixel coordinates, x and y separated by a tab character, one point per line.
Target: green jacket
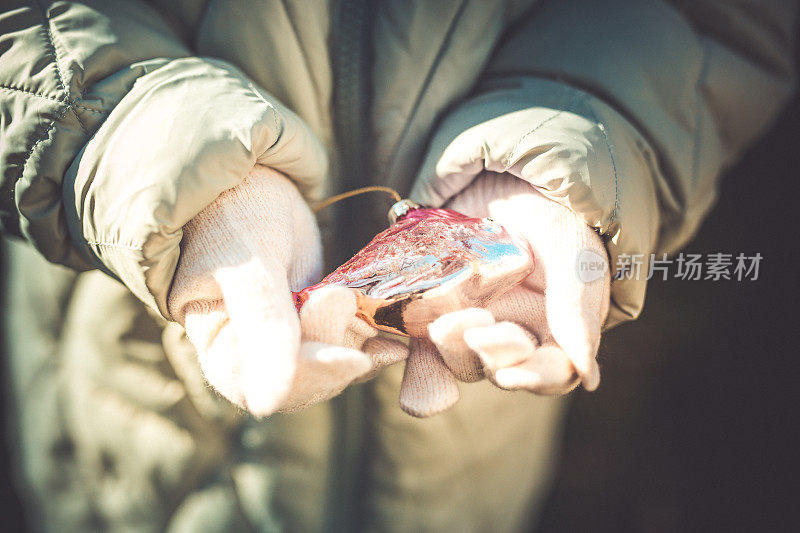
120	120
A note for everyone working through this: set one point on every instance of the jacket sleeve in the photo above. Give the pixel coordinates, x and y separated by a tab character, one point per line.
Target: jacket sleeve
626	112
114	136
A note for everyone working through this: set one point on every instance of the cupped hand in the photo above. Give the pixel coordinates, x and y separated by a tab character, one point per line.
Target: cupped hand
240	259
543	335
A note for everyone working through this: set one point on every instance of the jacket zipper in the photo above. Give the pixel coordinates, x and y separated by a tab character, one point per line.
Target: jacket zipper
351	47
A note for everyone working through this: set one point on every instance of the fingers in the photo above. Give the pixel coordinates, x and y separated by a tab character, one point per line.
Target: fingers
500	345
267	332
428	387
256	365
547	371
323	371
517	353
513	360
447	334
327	316
567	317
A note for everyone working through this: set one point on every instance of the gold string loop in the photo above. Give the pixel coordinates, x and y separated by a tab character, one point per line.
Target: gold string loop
375	188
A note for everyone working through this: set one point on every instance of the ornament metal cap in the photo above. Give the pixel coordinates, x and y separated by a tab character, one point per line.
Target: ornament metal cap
401	208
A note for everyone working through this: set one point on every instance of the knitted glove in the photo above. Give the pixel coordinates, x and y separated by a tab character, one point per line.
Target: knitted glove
541	336
329	318
240	258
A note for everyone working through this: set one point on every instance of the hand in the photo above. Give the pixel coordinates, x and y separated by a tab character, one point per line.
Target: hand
241	257
543	335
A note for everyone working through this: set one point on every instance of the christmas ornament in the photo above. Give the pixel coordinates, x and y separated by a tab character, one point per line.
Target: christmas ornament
429	262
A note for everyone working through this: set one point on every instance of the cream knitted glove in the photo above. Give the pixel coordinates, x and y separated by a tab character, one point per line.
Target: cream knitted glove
240	257
541	336
343	328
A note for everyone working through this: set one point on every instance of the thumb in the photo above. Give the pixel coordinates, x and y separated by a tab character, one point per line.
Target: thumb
266	330
576	309
208	329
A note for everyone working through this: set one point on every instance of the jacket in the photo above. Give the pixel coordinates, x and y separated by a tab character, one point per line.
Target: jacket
121	120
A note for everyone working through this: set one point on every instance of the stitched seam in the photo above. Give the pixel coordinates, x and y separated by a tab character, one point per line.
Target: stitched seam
115	245
511	155
48	27
615	211
59	115
271	106
46	134
52	35
568	107
80	122
51	38
54	52
26	92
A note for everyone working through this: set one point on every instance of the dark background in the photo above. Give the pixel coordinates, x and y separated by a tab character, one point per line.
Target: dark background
693	427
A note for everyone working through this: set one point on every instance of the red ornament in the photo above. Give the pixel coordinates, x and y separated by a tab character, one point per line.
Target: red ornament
428	263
